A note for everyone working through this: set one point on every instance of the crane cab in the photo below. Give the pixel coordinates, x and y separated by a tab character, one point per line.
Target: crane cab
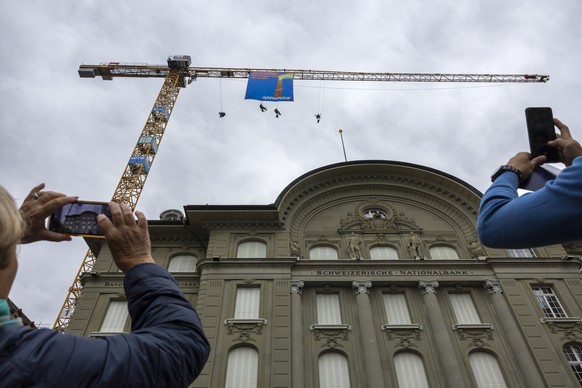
179	61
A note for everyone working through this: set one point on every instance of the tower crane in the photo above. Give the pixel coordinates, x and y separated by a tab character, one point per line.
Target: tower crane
178	74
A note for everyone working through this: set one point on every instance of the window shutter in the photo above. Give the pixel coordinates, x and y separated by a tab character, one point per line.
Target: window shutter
396	309
443	253
247	303
328	309
464	309
251	249
242	368
410	371
486	370
383	253
323	253
183	263
116	317
333	371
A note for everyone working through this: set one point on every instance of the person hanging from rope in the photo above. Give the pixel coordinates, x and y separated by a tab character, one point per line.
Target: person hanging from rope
318	117
277	113
221	114
263	109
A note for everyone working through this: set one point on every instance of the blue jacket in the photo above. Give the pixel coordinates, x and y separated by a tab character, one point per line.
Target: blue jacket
551	215
166	348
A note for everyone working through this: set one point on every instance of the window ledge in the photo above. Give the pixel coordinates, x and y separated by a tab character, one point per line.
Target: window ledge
245	326
473	326
248	321
476	331
102	334
336	331
405	326
561	320
563	324
341	326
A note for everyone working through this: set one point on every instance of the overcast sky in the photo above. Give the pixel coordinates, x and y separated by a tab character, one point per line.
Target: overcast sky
76	135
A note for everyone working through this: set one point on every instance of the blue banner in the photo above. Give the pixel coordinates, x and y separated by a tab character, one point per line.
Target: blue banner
269	86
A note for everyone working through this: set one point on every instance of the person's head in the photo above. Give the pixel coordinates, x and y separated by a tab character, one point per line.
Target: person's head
11	228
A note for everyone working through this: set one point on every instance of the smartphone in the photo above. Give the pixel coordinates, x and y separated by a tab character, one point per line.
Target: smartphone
79	218
540	129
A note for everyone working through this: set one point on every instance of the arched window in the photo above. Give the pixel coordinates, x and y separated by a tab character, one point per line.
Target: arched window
182	263
383	252
323	253
333	371
486	370
410	370
443	252
573	353
251	249
242	368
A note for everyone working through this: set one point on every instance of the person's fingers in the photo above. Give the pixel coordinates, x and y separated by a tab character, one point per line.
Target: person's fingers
34	192
539	160
564	130
128	216
116	214
141	221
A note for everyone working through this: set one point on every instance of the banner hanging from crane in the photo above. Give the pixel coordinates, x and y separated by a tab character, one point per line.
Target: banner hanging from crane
269	86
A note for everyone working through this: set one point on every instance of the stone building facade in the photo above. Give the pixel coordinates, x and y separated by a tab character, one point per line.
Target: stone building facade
360	274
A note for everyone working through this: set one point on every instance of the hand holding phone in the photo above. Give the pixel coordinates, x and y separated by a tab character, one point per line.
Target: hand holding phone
79	218
540	129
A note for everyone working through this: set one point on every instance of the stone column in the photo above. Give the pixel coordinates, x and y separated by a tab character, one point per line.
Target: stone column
372	363
519	348
297	356
444	346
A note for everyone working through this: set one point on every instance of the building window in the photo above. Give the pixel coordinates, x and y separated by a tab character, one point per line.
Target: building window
520	253
242	368
574	356
396	309
251	249
464	309
247	303
383	253
549	302
410	370
328	309
442	252
323	253
116	317
370	214
183	263
333	371
486	370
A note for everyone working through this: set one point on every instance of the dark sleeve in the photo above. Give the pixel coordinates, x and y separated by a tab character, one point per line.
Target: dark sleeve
548	216
167	347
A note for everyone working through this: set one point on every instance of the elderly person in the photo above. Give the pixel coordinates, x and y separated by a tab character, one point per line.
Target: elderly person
166	348
551	215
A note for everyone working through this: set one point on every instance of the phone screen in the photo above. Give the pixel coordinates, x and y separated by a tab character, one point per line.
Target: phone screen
540	129
79	218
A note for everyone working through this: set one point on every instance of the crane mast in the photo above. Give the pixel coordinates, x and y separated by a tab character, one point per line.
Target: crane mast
178	74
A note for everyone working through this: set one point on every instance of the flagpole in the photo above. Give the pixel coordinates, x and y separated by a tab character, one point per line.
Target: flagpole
343	145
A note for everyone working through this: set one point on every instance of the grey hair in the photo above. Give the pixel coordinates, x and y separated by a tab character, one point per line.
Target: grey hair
11	226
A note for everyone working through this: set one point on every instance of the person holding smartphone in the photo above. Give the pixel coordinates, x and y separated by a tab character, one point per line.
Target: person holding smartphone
550	215
167	346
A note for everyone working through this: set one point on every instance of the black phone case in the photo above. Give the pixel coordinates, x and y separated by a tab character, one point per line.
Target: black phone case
540	129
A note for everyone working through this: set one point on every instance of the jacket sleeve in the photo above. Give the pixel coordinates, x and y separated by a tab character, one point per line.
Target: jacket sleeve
167	347
548	216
